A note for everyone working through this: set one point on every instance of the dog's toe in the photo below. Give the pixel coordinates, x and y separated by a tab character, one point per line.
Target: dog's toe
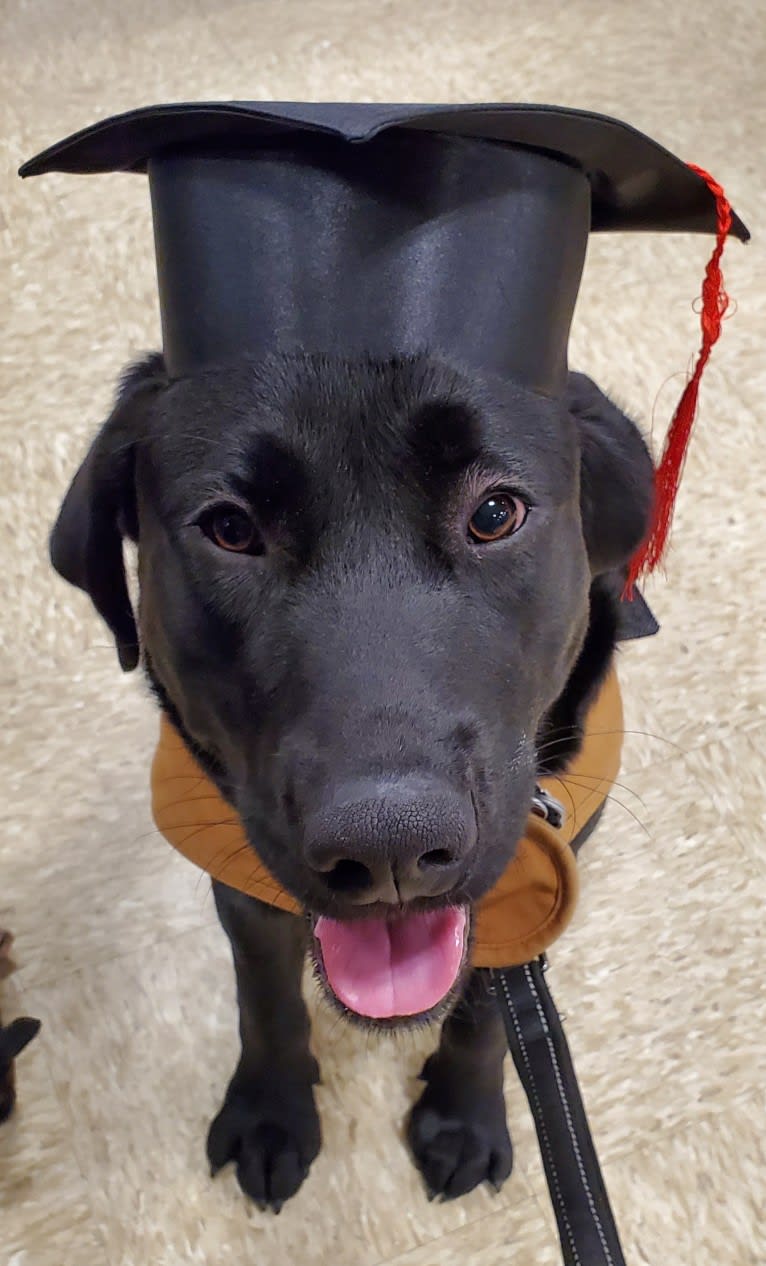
457	1151
272	1145
270	1167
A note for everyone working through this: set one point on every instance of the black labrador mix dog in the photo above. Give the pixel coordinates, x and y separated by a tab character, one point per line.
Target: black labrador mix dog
374	596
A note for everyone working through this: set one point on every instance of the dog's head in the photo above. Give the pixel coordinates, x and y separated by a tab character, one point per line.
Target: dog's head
362	588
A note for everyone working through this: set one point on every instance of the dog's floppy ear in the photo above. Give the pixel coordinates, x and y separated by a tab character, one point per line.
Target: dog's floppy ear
100	508
616	477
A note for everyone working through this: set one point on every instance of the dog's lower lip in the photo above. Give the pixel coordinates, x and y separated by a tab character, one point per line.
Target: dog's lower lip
395	968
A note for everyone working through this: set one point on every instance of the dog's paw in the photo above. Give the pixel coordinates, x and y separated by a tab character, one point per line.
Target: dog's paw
459	1140
271	1136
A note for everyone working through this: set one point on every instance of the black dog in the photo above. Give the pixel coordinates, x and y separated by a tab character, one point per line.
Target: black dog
375	599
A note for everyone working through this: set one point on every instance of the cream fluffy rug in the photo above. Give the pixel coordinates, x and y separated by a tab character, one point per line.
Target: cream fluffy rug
117	945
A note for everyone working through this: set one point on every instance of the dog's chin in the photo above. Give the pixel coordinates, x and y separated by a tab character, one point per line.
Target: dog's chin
394	972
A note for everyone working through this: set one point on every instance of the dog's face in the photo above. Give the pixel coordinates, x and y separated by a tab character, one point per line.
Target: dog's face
362	587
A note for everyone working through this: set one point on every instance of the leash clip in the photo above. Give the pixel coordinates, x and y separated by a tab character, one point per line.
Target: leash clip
544	806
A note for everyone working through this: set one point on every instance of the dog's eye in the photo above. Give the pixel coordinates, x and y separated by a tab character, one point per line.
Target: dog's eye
500	515
232	529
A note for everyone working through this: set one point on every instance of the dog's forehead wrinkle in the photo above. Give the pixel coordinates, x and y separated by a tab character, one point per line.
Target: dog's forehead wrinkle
332	441
369	407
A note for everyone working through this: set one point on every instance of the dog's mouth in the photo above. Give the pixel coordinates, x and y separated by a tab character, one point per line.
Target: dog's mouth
392	969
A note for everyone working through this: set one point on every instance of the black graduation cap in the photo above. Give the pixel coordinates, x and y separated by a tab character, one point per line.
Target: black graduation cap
384	228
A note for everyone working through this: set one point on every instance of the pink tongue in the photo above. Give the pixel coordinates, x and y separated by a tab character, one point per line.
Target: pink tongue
381	968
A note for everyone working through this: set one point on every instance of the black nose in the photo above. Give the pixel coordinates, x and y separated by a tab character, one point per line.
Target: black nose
391	841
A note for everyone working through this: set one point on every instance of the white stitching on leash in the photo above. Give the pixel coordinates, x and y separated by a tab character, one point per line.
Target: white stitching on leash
570	1125
541	1119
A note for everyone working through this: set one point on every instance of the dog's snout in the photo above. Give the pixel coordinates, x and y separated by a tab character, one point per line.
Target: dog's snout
391	842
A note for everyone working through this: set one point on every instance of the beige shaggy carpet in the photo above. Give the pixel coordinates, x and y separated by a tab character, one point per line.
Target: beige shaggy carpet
117	947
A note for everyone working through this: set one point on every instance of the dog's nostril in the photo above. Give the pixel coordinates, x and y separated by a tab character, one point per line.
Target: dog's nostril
435	857
348	876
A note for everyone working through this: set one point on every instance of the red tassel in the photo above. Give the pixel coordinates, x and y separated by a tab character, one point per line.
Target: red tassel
715	302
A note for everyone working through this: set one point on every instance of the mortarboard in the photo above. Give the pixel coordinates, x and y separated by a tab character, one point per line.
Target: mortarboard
389	229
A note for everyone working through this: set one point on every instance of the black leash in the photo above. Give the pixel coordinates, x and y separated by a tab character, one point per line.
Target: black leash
586	1225
587	1229
539	1051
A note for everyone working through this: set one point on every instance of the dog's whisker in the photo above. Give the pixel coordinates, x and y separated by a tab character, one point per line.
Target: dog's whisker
206	873
659	738
615	800
202	875
557	778
334	1035
629	811
146	835
602	778
227	863
281	888
561	737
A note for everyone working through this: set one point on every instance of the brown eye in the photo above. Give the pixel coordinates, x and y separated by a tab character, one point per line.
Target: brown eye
230	528
499	516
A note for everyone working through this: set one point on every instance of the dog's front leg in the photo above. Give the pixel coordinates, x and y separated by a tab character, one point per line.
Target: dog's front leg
268	1124
457	1130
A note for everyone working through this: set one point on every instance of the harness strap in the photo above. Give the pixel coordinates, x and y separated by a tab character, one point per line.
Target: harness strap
540	1052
